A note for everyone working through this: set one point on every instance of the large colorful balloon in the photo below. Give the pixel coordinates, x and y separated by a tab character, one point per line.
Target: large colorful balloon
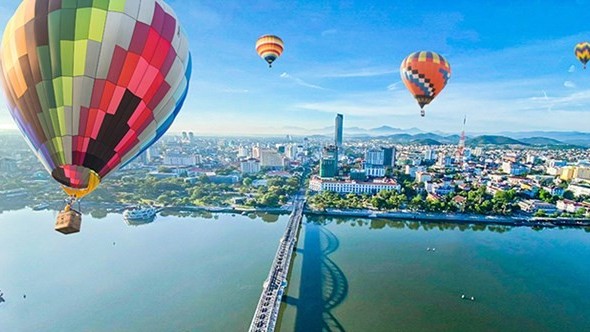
269	48
425	74
582	52
92	84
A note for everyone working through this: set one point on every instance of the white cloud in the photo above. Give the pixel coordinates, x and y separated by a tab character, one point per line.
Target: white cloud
361	72
569	84
571	69
394	86
301	82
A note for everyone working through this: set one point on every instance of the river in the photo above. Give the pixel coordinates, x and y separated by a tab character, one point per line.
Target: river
198	273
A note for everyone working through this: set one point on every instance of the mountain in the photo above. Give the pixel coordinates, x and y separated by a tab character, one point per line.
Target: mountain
400	138
426	141
385	130
493	139
541	141
567	137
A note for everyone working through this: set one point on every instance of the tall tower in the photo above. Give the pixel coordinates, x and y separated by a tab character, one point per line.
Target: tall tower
338	130
461	146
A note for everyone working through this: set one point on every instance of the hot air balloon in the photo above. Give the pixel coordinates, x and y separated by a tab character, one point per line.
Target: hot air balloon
425	74
269	48
582	52
92	84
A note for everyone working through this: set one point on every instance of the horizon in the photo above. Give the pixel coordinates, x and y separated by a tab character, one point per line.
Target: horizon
510	73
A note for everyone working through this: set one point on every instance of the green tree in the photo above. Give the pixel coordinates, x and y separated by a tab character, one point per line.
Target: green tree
540	213
247	182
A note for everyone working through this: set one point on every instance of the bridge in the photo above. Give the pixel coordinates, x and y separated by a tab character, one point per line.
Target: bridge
267	311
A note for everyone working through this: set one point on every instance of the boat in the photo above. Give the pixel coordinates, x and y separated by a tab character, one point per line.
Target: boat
41	206
139	215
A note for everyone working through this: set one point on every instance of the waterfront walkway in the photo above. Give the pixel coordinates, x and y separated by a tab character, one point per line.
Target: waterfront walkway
267	311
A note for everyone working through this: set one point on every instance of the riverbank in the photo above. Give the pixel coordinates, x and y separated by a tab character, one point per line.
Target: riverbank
520	220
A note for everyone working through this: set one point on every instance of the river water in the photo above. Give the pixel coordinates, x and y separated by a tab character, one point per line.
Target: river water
204	273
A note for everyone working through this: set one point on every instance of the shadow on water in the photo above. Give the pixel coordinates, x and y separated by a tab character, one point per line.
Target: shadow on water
323	285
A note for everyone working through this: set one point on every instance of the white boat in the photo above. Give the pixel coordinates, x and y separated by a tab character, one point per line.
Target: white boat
140	214
41	206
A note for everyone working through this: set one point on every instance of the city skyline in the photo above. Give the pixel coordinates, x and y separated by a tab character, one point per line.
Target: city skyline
509	72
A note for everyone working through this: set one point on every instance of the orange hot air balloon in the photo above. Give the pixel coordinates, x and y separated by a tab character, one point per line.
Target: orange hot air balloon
582	52
269	47
425	74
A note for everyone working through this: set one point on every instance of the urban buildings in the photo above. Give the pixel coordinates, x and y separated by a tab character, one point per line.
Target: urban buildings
250	166
351	186
338	130
329	162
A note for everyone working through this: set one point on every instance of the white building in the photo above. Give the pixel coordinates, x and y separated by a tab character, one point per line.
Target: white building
291	151
250	166
444	161
411	171
572	206
429	155
374	157
375	171
270	158
343	187
579	189
582	173
513	168
422	176
243	152
180	160
534	205
478	152
531	159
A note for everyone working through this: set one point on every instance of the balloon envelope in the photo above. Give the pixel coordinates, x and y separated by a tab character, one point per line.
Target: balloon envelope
269	48
582	52
425	74
91	84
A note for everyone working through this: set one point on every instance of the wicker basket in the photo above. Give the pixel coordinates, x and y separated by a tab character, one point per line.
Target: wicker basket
68	221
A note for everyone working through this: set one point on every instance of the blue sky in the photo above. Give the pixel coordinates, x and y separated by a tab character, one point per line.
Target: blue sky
513	65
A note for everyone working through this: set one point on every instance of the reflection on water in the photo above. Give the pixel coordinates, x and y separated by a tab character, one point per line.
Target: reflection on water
359	274
378	223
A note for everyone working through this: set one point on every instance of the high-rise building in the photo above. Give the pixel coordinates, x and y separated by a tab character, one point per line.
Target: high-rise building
374	157
243	152
338	129
250	166
376	160
270	158
329	162
388	156
328	168
429	155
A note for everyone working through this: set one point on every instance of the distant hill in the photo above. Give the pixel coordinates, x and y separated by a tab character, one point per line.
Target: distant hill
541	141
400	138
567	137
426	141
561	139
493	140
385	130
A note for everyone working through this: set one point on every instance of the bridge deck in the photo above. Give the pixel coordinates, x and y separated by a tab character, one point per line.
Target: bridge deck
267	311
